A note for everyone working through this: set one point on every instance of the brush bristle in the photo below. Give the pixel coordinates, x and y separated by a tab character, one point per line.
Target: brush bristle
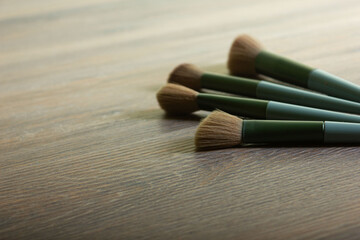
242	56
177	99
219	130
187	75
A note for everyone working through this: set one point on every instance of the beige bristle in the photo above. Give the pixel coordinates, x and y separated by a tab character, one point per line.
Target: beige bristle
187	75
219	130
242	56
177	99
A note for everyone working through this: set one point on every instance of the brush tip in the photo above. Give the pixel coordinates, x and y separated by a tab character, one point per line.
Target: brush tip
187	75
219	130
242	56
177	100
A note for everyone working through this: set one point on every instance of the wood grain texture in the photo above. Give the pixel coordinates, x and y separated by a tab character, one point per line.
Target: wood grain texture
86	153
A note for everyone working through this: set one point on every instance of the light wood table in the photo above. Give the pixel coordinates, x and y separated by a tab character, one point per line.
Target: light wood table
86	153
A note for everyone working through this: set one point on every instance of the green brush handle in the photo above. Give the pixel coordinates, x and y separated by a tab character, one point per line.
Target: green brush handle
267	131
277	92
246	107
296	73
255	108
337	132
322	81
279	110
225	83
282	68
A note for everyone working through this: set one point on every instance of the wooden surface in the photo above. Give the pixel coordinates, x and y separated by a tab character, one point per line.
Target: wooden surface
86	153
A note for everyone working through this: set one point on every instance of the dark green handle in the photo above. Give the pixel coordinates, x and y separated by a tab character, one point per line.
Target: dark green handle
282	68
225	83
246	107
267	131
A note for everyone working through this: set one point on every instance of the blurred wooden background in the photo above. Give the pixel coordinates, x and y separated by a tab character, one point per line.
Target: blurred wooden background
86	153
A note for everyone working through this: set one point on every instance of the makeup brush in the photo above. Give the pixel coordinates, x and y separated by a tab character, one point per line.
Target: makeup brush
177	99
190	76
247	57
222	130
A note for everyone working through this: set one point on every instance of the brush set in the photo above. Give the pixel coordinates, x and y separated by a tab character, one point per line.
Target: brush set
265	112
